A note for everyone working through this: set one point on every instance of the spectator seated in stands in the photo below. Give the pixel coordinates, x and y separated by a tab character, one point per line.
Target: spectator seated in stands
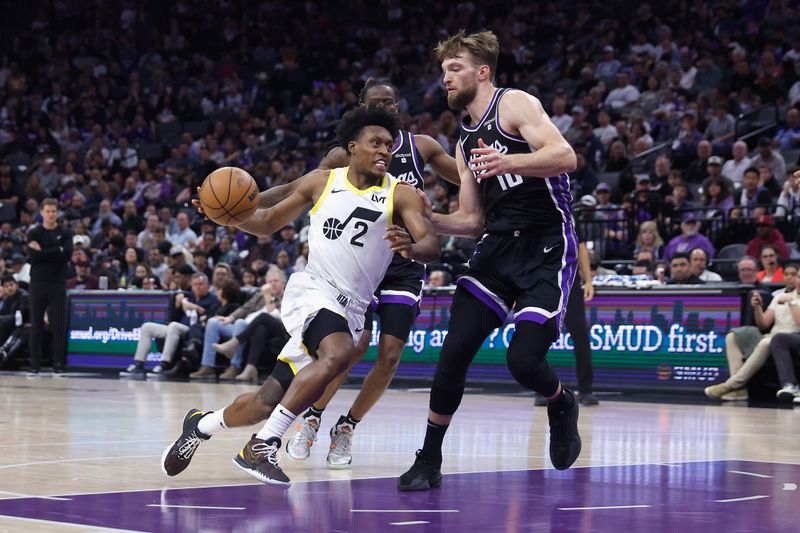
785	348
15	323
699	263
772	271
229	295
689	239
782	316
680	271
84	279
643	268
716	194
767	235
260	333
768	156
769	181
789	274
190	308
788	137
649	239
734	168
439	278
753	199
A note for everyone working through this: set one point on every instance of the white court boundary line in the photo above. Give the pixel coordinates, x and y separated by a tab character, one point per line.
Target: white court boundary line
750	474
642	506
411	523
213	507
77	527
405	511
746	498
22	495
607	465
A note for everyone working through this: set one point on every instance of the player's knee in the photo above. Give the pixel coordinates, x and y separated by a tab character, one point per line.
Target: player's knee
527	353
390	351
334	361
446	394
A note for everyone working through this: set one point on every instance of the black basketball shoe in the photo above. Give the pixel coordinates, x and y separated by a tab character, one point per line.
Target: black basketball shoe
179	454
565	442
424	474
259	458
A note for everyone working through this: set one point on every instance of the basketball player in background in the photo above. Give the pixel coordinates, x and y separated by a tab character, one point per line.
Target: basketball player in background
324	306
512	161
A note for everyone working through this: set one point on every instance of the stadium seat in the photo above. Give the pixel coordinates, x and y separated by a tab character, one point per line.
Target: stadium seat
612	178
197	129
726	259
169	133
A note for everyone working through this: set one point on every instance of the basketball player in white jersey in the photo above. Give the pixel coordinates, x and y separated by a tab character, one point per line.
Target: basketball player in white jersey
396	301
324	306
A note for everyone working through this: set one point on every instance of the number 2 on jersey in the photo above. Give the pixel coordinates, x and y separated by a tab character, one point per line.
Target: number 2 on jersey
361	228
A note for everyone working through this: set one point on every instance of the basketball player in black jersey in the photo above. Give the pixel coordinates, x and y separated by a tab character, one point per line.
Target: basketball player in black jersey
512	162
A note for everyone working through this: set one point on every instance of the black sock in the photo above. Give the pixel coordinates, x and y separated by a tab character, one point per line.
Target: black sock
562	402
349	419
313	411
434	436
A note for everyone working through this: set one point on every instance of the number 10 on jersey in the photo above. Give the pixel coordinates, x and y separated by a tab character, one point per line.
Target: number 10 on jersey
508	181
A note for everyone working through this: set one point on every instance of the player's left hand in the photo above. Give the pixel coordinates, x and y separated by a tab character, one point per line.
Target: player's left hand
588	292
490	161
399	240
796	177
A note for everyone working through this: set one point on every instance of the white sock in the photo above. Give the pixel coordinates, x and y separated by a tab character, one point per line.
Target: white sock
212	423
277	423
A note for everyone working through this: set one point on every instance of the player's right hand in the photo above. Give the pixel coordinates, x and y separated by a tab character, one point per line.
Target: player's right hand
796	177
197	205
399	240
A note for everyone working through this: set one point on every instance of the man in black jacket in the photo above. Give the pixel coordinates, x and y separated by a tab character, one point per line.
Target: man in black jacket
50	249
14	320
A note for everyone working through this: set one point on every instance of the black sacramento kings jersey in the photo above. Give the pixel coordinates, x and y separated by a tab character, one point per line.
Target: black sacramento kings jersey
512	202
406	165
407	162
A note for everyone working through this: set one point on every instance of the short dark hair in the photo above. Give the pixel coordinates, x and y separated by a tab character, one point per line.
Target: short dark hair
7	278
378	82
680	255
750	169
358	118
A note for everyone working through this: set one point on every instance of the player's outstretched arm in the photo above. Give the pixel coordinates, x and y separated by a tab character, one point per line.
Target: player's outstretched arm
336	157
411	209
468	220
523	113
434	155
265	222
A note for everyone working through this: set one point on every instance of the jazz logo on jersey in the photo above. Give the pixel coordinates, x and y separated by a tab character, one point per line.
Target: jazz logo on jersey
332	228
506	181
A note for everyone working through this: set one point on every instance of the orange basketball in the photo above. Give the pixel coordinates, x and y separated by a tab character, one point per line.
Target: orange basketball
228	196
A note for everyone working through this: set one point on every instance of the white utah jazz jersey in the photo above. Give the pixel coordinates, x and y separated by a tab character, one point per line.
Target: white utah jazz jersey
345	242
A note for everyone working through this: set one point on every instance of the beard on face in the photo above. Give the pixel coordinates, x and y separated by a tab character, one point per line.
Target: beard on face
458	100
